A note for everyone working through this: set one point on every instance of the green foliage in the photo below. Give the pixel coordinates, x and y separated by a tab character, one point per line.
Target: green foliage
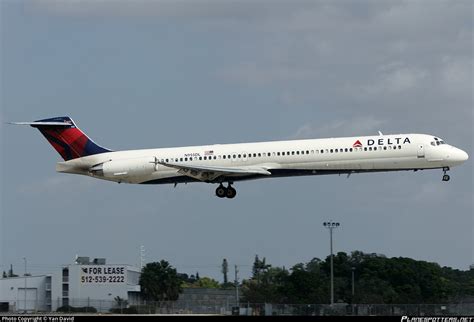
377	280
203	282
266	286
159	281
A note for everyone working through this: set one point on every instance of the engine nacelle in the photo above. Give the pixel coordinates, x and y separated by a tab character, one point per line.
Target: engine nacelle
124	169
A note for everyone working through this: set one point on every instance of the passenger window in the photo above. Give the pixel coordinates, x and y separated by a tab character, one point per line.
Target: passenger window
166	160
332	150
375	148
322	151
269	154
365	149
350	150
278	153
259	155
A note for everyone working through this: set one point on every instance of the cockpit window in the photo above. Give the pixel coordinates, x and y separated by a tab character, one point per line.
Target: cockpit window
437	142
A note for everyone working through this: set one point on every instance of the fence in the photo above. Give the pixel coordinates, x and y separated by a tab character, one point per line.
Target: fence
227	307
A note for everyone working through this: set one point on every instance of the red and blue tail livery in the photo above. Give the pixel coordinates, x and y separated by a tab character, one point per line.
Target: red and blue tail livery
66	137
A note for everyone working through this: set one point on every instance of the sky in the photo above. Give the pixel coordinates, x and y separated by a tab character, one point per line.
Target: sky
149	74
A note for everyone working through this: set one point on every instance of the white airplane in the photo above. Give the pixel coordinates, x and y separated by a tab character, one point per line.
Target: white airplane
228	163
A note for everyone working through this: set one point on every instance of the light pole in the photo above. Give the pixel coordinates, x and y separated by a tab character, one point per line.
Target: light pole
237	301
353	287
331	225
24	258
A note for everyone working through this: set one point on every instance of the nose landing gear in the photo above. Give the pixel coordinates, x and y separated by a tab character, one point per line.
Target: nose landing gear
445	176
223	192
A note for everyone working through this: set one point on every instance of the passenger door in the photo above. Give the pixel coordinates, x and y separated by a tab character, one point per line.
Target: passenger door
421	151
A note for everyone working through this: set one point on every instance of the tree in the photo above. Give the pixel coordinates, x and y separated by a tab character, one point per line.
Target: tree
259	267
159	281
203	282
10	272
207	282
225	270
378	279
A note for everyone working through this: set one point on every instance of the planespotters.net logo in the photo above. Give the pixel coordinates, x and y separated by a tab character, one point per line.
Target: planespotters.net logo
437	319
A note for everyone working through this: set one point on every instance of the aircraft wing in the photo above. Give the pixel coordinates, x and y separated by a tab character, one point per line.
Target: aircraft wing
209	173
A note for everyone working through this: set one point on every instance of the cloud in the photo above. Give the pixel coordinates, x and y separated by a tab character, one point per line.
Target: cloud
216	10
395	78
255	74
357	126
457	76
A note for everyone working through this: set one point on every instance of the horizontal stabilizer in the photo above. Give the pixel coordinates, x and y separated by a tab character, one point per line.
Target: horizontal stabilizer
33	124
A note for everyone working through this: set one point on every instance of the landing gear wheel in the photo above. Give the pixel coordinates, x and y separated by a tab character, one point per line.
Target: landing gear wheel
221	191
446	177
231	193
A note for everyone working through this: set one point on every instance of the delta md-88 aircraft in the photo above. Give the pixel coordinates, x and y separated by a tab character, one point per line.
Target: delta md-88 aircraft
228	163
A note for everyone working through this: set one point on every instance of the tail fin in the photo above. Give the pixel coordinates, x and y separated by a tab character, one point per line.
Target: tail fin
66	138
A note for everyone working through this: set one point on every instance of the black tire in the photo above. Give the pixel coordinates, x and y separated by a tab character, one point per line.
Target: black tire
221	192
231	193
446	177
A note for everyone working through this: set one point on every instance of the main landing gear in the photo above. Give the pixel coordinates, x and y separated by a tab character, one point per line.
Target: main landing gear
445	176
223	192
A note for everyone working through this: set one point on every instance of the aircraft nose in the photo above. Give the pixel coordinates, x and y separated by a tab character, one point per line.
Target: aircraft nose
459	155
